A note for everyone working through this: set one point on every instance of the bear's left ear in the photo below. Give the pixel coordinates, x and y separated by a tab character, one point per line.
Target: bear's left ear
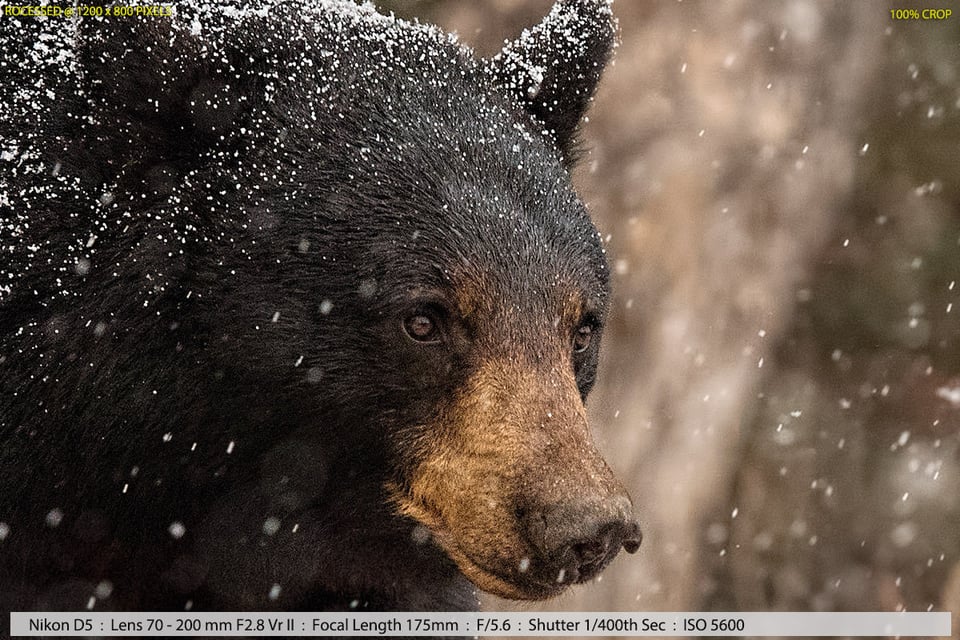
553	68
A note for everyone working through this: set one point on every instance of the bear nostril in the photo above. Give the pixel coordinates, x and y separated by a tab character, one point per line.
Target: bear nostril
632	538
589	559
589	554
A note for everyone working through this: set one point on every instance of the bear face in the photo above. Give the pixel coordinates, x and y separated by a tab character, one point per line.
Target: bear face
312	319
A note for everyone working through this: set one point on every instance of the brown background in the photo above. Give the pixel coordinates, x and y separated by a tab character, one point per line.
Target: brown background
780	184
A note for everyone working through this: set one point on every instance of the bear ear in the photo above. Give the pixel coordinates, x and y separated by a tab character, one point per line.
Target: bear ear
553	69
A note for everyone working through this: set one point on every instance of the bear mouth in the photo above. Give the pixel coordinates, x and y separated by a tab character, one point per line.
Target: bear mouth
523	585
498	583
526	583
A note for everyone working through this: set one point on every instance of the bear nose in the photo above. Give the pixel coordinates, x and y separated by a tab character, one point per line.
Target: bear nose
586	557
579	540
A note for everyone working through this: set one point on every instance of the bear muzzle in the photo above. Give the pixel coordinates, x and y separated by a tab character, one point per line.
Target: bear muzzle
539	547
513	489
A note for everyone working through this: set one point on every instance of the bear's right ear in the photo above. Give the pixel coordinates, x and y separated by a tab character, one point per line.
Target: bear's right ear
553	69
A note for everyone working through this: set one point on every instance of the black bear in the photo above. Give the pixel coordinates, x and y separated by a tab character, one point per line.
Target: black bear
298	310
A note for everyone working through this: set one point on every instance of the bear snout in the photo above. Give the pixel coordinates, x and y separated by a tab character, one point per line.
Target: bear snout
514	488
574	541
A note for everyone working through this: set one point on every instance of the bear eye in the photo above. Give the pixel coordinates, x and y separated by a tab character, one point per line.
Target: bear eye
581	339
422	328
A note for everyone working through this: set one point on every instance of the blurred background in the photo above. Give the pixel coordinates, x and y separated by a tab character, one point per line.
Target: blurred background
779	186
